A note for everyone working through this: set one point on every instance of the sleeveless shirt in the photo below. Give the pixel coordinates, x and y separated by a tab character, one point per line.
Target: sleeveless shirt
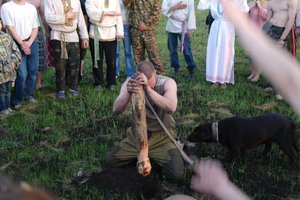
166	118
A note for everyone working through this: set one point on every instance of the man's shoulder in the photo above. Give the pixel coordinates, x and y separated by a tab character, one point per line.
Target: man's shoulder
30	6
293	2
165	80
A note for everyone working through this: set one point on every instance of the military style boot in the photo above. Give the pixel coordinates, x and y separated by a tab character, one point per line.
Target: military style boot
191	75
176	72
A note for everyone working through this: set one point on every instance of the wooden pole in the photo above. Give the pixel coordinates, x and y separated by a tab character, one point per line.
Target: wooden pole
140	131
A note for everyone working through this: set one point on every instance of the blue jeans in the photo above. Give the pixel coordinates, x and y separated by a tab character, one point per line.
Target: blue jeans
4	96
128	54
26	75
173	48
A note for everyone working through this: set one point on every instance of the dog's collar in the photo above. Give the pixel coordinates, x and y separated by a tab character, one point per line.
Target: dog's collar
215	131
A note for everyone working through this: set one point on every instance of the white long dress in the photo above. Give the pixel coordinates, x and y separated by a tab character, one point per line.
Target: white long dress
220	46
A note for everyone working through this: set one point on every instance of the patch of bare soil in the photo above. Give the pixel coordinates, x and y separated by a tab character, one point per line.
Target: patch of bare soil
125	180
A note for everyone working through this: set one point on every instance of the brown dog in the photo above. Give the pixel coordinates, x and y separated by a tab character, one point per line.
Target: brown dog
241	133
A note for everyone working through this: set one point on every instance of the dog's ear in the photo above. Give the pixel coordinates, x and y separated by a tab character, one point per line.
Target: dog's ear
193	137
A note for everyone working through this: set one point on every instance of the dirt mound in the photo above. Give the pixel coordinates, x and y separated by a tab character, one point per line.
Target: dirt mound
125	180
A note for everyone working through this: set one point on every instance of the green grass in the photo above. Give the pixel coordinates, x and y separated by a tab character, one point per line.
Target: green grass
46	141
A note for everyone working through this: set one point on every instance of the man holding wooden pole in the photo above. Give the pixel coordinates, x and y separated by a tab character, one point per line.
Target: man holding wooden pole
161	92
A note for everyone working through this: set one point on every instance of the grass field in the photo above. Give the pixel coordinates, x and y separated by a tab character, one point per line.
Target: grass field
46	143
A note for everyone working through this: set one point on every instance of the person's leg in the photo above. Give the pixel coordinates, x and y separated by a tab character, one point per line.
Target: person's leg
60	68
82	62
252	69
38	84
256	73
152	50
18	95
173	48
165	154
124	153
73	65
97	70
275	34
7	94
138	46
42	58
3	100
188	57
110	49
32	68
128	53
118	61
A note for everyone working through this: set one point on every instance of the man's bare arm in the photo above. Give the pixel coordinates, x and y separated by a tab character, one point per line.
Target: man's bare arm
290	23
167	102
122	100
276	64
33	35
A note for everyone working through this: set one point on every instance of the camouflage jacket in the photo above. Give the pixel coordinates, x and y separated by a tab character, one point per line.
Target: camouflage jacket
9	53
147	11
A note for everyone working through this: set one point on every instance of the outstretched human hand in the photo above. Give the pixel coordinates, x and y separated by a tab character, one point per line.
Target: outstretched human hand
209	176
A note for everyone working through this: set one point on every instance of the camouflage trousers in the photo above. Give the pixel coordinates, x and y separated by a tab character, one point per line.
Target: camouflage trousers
161	150
66	71
143	41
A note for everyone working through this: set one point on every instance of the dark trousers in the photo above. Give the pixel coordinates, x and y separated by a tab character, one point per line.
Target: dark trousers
66	72
4	96
109	49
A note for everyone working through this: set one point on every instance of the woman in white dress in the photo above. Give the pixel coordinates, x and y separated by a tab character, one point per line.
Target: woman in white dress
220	46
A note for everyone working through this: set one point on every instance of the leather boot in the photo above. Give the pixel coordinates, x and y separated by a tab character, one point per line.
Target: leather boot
191	75
176	72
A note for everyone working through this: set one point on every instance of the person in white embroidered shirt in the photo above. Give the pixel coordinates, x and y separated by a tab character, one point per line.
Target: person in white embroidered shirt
105	30
65	18
180	25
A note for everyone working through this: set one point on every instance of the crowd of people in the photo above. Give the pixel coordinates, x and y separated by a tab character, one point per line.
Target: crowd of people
71	26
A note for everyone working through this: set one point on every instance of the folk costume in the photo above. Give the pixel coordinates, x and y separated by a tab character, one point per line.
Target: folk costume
65	41
104	30
179	22
220	46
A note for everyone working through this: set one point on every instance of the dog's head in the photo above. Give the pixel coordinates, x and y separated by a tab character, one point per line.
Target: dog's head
202	133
